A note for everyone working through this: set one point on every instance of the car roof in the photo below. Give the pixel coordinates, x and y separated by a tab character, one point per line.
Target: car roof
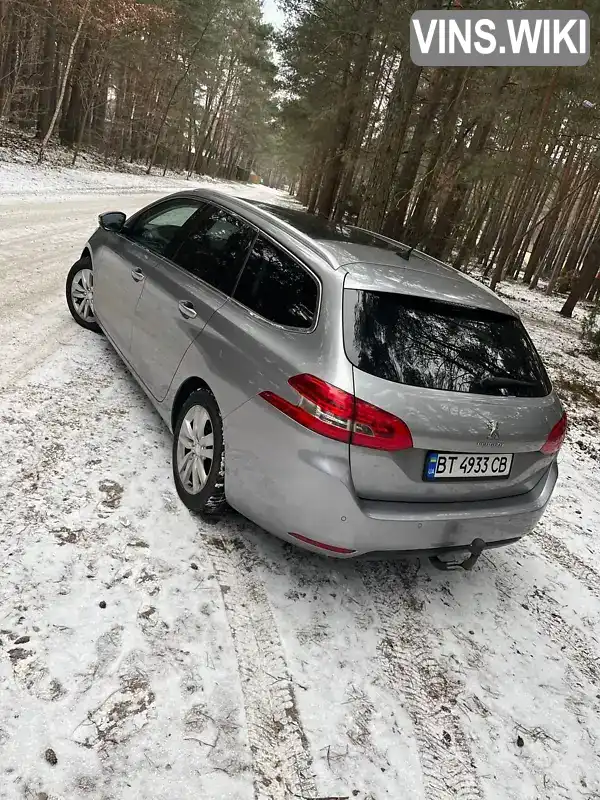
369	260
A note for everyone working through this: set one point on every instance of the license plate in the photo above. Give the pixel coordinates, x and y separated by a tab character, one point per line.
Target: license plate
453	466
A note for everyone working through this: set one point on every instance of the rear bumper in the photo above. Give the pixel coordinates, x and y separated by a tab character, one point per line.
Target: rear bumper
375	529
443	525
292	481
387	555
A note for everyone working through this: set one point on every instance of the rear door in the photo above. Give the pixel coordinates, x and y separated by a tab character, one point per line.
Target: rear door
469	385
259	339
182	292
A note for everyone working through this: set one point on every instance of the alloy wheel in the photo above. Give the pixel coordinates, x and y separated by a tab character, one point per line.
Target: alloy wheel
195	449
82	294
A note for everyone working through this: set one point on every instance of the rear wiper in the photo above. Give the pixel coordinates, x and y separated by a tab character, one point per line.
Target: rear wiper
497	381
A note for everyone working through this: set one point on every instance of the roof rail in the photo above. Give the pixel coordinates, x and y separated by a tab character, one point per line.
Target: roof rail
410	249
406	249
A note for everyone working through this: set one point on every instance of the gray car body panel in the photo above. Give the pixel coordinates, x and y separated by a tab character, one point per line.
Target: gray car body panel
418	277
282	476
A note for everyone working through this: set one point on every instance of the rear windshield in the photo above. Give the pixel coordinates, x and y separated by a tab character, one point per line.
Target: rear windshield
439	345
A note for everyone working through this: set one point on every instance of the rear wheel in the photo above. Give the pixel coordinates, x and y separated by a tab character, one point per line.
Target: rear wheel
198	454
80	294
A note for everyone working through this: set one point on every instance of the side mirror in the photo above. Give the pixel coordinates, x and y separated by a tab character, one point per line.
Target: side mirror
112	221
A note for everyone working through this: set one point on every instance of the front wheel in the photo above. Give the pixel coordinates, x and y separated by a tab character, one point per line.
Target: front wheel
80	294
198	454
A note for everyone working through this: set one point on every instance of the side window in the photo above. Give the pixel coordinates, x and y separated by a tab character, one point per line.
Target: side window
215	248
158	228
275	286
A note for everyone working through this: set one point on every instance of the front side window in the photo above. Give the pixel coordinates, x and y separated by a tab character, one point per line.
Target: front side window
275	286
159	228
215	248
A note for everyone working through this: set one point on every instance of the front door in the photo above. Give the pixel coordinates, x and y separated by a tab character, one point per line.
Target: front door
181	293
116	289
123	259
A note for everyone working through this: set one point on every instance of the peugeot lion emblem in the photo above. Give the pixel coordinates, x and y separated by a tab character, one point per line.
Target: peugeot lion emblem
493	434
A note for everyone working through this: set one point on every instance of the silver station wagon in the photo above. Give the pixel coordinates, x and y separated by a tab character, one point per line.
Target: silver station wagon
345	392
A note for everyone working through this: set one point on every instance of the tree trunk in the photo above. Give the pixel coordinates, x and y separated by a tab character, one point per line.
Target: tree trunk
79	139
75	106
9	67
6	25
586	279
576	256
63	87
532	206
506	239
345	194
440	241
314	193
394	224
465	250
347	112
543	238
199	154
389	145
47	76
415	228
182	77
99	113
568	231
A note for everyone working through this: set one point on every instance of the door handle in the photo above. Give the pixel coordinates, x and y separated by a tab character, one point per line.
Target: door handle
187	310
137	275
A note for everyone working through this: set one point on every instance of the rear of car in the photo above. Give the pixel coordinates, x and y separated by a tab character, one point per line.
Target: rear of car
451	430
481	419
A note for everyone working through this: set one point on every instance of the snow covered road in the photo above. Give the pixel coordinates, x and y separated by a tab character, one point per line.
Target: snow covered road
147	654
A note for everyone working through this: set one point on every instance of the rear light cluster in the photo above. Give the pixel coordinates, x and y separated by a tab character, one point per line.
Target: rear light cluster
556	438
339	415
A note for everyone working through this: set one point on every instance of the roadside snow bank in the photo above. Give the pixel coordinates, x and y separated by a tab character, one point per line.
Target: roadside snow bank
27	180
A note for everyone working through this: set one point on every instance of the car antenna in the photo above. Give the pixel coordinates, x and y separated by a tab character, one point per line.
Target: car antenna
405	254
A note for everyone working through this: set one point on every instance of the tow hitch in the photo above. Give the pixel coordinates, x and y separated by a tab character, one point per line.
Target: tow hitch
475	548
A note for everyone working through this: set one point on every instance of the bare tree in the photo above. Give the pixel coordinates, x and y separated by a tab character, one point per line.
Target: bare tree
65	78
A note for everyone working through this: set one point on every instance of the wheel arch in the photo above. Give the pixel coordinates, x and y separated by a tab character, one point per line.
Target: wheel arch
86	253
190	385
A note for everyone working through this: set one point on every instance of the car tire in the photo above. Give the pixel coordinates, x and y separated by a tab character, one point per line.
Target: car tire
200	479
80	281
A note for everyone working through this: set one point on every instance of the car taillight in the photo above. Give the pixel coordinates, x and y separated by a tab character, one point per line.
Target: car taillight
556	438
337	414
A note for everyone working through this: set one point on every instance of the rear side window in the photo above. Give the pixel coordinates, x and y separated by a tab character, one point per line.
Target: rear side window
215	248
439	345
275	286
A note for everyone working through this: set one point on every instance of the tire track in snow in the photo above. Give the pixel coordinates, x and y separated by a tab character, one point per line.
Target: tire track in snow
406	659
46	234
280	752
27	344
574	645
555	550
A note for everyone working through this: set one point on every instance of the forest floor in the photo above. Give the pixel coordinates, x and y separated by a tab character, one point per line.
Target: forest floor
21	176
147	654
